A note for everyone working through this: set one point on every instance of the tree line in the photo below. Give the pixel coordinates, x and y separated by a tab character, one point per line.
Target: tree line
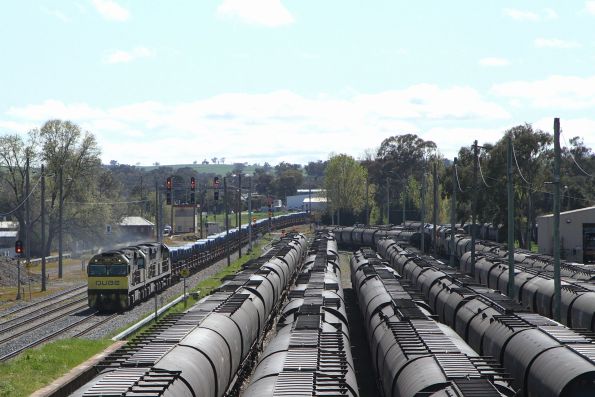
398	173
381	187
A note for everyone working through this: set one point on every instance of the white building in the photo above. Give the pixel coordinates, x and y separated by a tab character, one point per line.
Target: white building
577	235
296	202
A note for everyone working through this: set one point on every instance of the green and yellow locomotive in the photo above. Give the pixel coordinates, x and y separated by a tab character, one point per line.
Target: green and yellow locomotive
117	279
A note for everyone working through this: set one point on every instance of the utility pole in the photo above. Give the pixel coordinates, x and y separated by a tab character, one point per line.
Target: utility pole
227	252
404	200
474	204
27	214
240	215
387	202
557	286
310	206
510	218
250	215
453	213
423	210
60	224
435	214
171	209
158	222
43	286
367	218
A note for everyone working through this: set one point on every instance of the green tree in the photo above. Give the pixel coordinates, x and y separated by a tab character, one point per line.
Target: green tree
345	184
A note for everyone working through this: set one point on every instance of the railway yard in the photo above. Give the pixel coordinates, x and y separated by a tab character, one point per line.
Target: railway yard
354	311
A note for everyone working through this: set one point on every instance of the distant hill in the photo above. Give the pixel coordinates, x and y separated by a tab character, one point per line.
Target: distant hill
219	169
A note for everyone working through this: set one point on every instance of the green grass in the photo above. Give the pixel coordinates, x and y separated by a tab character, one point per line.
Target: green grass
534	246
38	367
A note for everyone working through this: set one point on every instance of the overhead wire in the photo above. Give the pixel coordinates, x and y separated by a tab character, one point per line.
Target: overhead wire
574	159
517	164
458	181
481	172
19	205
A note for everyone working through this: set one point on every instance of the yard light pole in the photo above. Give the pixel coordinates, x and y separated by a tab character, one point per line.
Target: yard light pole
226	220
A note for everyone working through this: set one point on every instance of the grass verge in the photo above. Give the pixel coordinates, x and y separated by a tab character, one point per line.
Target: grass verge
38	367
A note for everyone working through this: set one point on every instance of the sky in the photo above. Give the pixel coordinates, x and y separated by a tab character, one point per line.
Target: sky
177	81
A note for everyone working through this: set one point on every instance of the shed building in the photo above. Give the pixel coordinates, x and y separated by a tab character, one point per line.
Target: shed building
577	235
136	227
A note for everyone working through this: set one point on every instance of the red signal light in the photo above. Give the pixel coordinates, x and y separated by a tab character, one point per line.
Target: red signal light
168	183
18	247
192	184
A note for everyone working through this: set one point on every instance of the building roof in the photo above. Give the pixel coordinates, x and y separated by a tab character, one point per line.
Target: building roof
135	221
579	210
8	233
8	225
315	200
306	191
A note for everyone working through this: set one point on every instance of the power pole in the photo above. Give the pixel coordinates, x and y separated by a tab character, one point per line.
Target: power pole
157	213
404	200
43	286
510	219
227	252
474	204
423	210
250	215
435	214
367	218
387	202
171	209
27	214
240	215
310	206
557	286
60	225
453	213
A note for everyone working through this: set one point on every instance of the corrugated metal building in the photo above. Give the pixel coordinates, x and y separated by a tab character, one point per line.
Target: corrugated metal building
577	235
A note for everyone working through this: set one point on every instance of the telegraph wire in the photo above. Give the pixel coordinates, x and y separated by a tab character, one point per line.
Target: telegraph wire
458	181
517	164
23	201
481	172
573	159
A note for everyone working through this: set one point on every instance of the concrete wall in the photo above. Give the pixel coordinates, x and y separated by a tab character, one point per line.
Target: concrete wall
571	233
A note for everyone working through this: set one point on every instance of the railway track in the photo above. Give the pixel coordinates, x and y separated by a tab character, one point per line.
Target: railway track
59	332
41	304
28	324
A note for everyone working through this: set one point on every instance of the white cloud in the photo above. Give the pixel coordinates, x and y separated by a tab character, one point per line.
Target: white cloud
272	127
493	61
555	92
111	10
541	42
546	14
120	56
57	14
270	13
590	7
581	127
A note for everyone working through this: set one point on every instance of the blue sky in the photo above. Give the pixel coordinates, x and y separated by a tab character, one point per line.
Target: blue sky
271	80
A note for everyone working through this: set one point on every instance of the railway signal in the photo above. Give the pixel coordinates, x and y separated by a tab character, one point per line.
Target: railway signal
168	187
216	195
192	190
216	182
18	247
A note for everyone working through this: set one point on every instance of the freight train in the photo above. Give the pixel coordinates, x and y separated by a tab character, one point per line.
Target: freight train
120	278
412	354
310	355
544	357
205	350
